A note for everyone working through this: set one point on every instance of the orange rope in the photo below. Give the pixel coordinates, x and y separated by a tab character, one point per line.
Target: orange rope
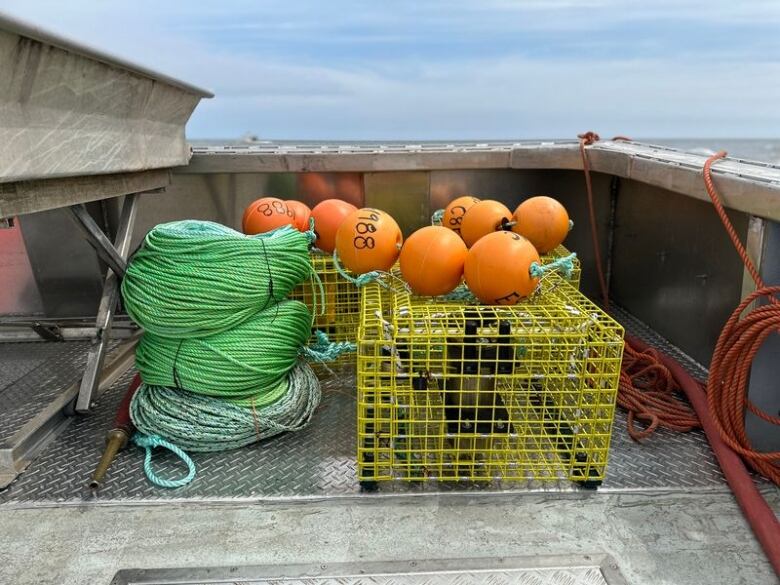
647	389
586	140
740	340
648	392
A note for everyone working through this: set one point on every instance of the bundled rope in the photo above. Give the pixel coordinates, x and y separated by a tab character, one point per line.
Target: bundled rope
650	394
220	358
739	342
247	363
197	278
203	423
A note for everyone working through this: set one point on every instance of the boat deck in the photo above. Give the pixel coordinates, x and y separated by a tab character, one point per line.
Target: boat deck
316	463
663	515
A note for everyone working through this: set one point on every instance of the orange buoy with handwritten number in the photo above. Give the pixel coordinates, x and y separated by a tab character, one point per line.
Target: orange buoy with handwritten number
455	210
368	239
432	261
266	214
483	218
543	221
301	214
328	216
498	268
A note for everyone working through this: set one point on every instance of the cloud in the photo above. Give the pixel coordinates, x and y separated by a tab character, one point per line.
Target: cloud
458	69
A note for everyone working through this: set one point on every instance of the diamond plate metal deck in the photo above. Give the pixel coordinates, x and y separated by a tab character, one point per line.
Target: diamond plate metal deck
584	570
32	374
320	461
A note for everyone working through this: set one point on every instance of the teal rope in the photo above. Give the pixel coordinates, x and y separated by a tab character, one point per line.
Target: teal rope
197	278
325	350
148	443
564	265
361	279
204	424
437	217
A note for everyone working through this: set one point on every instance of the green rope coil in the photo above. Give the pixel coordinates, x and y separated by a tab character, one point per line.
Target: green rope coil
437	217
197	278
247	363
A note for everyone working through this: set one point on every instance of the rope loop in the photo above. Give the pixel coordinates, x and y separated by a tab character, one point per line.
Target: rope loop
148	443
564	265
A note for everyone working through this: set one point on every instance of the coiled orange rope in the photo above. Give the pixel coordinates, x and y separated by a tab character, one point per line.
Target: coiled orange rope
740	340
649	393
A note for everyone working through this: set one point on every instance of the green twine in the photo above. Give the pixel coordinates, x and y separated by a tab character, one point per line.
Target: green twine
246	363
437	217
197	278
564	265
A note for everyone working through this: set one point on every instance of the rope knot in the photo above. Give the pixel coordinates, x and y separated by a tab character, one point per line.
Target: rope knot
588	138
564	265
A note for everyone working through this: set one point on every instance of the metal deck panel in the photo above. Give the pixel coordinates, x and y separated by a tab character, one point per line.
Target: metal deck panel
31	375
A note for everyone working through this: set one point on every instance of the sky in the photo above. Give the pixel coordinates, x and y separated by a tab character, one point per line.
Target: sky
456	69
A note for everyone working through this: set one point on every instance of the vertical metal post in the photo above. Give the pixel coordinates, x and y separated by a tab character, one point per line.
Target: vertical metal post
108	302
754	246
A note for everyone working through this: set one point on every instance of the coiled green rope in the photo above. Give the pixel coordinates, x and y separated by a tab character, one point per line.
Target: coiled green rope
246	363
197	278
221	353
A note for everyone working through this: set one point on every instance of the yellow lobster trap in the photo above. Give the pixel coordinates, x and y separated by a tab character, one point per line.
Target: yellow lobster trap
341	314
452	391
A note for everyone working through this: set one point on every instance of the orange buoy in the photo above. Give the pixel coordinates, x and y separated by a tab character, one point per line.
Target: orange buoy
368	239
432	261
483	218
543	221
301	214
247	211
266	214
453	213
328	216
497	268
